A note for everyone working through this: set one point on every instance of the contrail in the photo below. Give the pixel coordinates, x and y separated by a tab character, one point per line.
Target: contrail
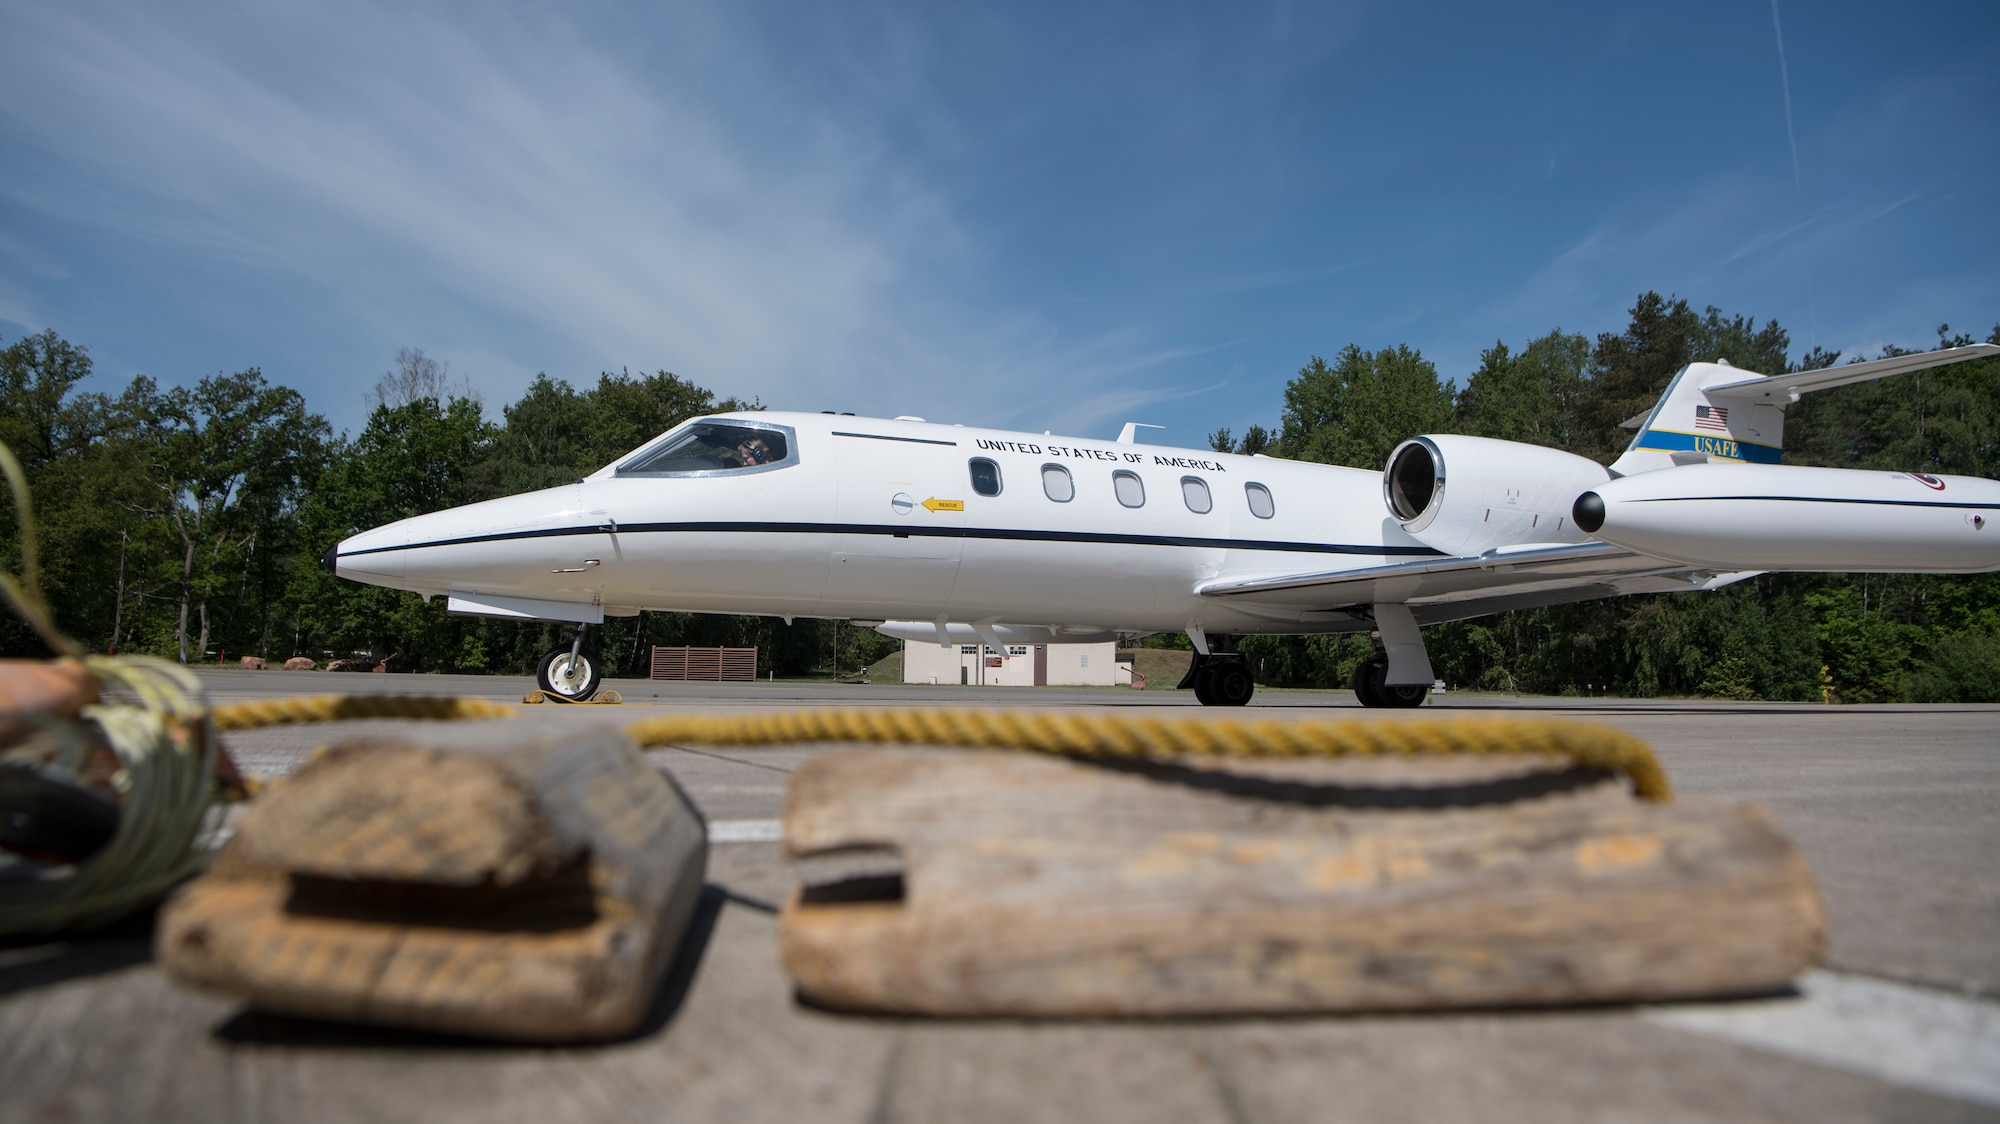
1798	180
1785	82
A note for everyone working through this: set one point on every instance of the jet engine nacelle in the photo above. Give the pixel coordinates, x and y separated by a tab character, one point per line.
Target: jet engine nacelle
1791	517
1469	495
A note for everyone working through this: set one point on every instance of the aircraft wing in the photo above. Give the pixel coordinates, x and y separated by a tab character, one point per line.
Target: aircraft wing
1789	387
1445	589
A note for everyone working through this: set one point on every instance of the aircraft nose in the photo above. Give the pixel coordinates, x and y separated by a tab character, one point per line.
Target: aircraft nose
375	557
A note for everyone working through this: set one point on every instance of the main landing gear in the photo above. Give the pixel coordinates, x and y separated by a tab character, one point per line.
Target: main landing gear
1402	651
1219	679
1372	691
568	673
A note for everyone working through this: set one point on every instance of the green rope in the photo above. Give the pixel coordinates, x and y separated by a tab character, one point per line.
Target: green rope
166	751
165	780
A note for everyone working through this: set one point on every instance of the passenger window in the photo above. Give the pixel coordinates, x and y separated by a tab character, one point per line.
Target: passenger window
985	477
705	447
1260	501
1195	491
1131	492
1057	483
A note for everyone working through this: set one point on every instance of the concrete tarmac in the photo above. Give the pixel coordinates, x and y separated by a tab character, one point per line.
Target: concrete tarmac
1897	808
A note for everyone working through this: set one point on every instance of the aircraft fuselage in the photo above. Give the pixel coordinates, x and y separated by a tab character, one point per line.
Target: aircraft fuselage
872	520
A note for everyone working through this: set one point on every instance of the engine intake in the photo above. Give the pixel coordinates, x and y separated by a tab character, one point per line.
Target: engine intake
1469	495
1414	477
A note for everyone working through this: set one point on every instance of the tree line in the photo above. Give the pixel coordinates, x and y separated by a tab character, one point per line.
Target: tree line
188	521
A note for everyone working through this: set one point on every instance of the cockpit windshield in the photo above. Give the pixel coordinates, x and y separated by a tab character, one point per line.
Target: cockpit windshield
706	447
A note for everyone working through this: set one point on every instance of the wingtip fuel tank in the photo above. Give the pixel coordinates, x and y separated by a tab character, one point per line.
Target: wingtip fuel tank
1778	517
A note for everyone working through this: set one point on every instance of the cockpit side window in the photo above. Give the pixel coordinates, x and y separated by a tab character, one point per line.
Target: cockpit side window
706	448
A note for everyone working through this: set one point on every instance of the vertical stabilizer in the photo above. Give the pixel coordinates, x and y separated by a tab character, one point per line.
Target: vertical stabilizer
1691	426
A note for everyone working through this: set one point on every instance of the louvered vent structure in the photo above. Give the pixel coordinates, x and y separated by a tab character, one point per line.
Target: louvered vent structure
709	664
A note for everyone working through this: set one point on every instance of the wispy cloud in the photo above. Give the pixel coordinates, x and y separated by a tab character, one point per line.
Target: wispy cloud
1026	216
1120	406
685	204
1766	239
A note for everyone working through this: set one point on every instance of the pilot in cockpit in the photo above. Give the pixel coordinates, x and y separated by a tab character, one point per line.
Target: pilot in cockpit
753	450
704	447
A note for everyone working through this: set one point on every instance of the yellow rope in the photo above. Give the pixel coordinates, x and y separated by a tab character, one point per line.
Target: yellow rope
1073	735
1131	736
602	698
333	708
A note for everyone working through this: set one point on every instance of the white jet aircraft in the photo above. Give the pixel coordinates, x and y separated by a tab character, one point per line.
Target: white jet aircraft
953	534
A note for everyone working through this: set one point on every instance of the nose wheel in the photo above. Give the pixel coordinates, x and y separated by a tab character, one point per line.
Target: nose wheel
569	673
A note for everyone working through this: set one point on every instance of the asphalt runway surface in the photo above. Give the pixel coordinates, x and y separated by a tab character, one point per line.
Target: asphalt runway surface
1897	808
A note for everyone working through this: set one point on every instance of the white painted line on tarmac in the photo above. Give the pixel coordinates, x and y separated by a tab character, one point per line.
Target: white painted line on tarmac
1912	1036
745	831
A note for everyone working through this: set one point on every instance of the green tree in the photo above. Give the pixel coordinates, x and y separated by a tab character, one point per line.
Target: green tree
1255	440
408	460
1358	409
1960	667
37	374
1866	651
229	456
82	494
1529	397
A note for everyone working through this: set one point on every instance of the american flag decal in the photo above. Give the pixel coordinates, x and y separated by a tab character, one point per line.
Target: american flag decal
1711	417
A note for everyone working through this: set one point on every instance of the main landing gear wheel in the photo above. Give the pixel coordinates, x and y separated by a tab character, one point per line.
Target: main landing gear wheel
1223	684
1204	686
1230	685
569	674
1372	691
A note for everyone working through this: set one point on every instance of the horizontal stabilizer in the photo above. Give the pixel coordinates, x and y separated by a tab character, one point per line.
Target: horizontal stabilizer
1787	388
1714	413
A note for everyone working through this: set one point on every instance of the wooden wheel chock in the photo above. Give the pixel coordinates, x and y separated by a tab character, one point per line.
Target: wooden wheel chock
1038	886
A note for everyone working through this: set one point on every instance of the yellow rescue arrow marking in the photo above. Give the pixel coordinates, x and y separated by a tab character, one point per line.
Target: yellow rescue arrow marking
935	504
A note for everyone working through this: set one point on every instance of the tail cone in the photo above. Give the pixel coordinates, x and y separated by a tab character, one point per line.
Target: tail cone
1588	512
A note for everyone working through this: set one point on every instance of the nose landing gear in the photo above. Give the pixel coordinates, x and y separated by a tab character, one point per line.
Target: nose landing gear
568	673
1219	679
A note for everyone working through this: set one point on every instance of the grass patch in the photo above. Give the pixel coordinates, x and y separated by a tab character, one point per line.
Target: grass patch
1162	667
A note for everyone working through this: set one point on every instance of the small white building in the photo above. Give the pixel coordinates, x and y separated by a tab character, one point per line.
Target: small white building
1016	665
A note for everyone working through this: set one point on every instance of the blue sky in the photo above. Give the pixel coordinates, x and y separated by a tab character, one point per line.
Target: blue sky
1063	217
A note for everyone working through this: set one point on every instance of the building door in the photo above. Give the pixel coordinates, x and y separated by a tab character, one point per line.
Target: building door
1041	665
